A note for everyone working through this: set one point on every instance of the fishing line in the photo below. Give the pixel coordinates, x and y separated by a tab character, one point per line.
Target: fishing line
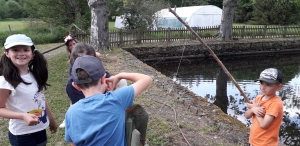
168	94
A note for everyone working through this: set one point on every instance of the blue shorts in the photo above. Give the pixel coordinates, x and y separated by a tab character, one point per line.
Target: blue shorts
32	139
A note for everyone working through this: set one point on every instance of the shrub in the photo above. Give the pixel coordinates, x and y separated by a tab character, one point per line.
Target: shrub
39	34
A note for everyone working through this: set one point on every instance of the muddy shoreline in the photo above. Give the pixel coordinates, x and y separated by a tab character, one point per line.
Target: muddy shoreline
201	122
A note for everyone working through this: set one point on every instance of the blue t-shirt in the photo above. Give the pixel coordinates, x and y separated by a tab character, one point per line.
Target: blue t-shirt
73	93
99	120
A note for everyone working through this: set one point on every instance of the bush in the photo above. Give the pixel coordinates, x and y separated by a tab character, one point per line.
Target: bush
40	34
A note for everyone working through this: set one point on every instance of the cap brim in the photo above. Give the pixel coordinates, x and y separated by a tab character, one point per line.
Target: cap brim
18	44
267	81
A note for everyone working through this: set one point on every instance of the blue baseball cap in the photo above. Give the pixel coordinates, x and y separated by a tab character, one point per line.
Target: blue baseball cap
18	39
270	75
91	65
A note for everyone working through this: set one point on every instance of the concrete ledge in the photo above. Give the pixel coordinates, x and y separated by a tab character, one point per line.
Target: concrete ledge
194	49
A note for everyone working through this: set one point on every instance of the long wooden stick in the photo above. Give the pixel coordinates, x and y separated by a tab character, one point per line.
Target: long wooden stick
53	49
212	53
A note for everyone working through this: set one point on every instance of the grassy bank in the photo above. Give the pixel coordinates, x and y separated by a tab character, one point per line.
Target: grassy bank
200	121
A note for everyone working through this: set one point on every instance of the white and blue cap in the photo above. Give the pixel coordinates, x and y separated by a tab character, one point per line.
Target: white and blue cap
16	40
69	37
270	75
91	65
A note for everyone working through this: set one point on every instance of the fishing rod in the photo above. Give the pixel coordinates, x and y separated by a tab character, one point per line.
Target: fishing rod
212	53
54	48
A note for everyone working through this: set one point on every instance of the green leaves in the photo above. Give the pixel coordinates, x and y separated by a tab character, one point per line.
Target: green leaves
60	12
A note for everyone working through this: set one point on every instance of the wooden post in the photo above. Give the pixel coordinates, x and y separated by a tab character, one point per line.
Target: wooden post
284	31
243	31
9	29
128	131
135	141
139	39
120	37
168	34
265	31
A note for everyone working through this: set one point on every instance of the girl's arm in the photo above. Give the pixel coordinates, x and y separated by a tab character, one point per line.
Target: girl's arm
53	125
30	119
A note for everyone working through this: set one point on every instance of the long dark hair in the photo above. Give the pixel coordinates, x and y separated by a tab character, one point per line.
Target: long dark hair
37	66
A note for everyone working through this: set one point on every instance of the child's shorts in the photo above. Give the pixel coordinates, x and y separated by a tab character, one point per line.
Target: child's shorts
32	139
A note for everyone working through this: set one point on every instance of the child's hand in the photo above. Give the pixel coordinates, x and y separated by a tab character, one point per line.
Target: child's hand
31	119
53	126
112	82
250	105
259	111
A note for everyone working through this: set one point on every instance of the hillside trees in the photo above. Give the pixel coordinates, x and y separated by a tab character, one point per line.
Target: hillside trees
140	13
60	12
282	12
278	12
184	3
114	8
243	11
11	9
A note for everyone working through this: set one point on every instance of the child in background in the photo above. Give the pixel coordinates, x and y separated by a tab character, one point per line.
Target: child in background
267	110
24	75
99	118
70	41
82	49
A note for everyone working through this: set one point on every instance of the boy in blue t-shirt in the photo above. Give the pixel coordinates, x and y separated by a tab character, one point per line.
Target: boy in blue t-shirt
99	119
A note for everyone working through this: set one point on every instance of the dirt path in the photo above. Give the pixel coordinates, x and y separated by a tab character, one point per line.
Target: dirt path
201	122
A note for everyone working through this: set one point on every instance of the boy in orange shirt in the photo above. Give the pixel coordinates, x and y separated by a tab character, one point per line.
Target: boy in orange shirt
267	110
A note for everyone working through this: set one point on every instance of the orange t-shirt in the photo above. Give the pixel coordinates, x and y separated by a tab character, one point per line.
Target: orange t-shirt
269	136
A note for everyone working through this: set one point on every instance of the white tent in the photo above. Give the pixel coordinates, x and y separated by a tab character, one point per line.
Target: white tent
195	16
118	22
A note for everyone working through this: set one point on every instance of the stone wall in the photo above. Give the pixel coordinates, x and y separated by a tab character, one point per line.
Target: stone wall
194	49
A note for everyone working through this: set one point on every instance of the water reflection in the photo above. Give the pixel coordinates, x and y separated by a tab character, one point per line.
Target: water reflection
204	77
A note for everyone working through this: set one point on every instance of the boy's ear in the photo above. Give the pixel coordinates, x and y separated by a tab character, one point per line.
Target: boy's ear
76	87
279	87
102	79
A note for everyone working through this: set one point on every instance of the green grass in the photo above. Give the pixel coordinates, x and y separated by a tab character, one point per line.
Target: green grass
14	25
111	25
23	24
56	96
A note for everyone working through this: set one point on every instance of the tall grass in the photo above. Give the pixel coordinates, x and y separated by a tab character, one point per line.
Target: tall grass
13	25
38	31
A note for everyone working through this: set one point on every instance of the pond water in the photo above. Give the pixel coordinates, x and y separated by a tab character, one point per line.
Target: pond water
201	75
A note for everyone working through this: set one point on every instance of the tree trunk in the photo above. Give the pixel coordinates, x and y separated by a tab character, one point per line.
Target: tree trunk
221	91
99	24
225	33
